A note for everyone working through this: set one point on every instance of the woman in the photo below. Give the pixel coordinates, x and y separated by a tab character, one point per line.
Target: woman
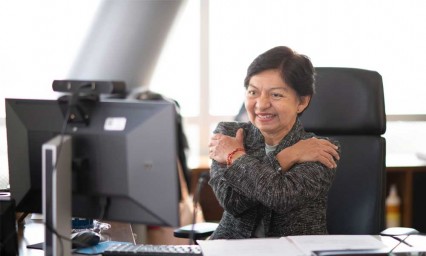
270	176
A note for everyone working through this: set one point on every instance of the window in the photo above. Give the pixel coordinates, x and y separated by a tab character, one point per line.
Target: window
204	61
39	41
376	35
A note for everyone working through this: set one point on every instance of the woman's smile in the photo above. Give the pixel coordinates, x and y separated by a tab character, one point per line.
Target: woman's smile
265	117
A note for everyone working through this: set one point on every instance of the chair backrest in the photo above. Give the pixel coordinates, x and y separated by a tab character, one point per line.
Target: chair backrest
349	106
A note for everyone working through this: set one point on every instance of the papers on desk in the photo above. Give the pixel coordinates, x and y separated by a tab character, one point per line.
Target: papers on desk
310	244
249	247
292	245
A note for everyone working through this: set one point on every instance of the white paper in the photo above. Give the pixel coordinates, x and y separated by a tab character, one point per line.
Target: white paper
249	247
292	245
336	242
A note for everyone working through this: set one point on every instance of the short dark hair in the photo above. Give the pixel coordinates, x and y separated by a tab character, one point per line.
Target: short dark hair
296	69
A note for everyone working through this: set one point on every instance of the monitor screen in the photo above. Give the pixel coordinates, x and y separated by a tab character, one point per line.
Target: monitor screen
123	161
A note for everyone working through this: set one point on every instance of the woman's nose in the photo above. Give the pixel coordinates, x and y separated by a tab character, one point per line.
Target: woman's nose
263	102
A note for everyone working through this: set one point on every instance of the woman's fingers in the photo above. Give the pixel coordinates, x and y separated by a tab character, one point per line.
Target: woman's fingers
328	160
319	150
330	148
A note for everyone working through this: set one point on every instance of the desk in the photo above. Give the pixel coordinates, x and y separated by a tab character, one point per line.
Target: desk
32	232
322	244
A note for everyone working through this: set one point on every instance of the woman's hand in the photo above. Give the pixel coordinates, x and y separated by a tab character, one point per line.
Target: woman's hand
309	150
221	145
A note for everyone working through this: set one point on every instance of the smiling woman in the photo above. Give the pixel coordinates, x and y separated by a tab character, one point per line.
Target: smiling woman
266	185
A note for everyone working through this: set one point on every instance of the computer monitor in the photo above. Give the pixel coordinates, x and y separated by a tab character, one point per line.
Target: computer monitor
123	161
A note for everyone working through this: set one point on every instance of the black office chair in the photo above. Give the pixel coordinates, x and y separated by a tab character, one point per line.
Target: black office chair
349	106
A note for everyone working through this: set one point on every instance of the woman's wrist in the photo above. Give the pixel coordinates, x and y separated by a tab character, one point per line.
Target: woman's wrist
286	159
233	155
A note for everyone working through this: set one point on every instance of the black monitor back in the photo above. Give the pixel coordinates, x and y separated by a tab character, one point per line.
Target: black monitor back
124	160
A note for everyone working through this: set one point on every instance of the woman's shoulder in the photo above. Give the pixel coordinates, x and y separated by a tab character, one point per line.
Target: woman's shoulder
230	128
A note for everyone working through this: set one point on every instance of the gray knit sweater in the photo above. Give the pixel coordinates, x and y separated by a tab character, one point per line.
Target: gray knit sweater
255	188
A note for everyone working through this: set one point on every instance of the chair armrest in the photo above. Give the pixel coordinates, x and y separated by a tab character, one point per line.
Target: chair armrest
201	230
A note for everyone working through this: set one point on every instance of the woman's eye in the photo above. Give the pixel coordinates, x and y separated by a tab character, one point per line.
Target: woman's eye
276	95
251	93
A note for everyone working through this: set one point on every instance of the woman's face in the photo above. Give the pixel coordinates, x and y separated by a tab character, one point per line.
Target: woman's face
272	105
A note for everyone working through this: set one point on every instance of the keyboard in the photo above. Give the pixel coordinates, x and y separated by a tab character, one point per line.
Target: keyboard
149	249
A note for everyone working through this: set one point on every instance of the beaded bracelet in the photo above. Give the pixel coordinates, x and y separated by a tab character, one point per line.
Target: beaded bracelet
231	155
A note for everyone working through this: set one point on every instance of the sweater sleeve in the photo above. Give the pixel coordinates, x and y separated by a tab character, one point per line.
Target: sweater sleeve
253	180
231	201
280	191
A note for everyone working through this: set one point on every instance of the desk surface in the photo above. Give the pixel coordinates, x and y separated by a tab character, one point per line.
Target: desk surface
32	232
322	244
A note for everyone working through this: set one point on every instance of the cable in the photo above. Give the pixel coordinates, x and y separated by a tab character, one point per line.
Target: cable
394	232
402	241
103	204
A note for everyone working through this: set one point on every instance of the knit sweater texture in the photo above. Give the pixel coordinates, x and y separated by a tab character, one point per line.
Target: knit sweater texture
254	187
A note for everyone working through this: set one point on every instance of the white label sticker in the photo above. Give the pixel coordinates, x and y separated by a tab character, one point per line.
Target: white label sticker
115	124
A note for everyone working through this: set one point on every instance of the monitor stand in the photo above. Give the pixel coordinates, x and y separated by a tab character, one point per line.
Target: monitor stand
56	157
